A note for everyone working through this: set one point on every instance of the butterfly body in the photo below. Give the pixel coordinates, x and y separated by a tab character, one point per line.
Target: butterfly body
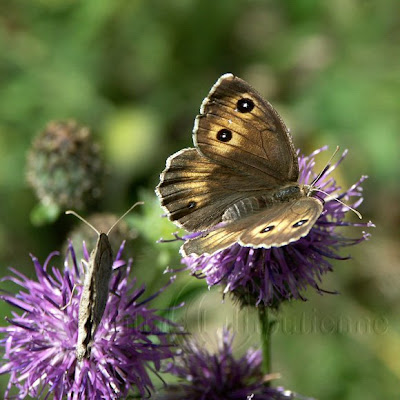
252	205
240	182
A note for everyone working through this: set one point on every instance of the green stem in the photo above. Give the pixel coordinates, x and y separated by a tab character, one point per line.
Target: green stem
266	329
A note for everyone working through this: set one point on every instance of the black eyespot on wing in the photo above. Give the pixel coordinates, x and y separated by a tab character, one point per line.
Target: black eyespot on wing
299	223
245	105
224	135
267	229
191	204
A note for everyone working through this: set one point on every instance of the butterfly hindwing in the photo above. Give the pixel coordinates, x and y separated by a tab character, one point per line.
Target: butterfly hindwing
282	224
278	225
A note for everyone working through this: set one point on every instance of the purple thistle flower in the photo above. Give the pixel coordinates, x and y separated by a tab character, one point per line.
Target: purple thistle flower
39	344
270	276
203	375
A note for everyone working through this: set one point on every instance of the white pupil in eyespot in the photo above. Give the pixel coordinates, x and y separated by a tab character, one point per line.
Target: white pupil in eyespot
267	229
300	223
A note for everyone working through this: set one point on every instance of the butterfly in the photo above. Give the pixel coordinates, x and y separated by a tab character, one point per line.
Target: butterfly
239	184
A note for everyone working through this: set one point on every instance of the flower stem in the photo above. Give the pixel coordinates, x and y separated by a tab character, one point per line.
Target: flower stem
266	330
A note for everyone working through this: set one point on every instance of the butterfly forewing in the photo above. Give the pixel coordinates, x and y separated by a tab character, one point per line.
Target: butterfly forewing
240	129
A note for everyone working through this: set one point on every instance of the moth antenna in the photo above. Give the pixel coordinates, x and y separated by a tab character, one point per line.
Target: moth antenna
327	166
122	216
339	201
83	220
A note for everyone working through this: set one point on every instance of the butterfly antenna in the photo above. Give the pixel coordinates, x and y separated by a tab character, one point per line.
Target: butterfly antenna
122	216
330	197
327	166
83	220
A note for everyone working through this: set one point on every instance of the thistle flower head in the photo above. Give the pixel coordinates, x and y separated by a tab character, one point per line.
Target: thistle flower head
270	276
220	376
64	166
40	342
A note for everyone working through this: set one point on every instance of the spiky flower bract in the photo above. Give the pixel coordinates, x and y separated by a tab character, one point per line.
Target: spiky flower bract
220	376
270	276
39	343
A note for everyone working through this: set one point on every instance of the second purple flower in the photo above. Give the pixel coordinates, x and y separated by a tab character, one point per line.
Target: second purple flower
39	342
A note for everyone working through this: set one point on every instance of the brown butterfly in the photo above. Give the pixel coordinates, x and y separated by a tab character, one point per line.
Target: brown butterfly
240	182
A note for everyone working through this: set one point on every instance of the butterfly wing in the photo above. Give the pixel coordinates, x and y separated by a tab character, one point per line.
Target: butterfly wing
283	223
276	226
195	192
239	129
198	185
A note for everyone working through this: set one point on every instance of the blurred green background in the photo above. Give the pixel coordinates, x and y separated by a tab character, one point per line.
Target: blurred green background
135	72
